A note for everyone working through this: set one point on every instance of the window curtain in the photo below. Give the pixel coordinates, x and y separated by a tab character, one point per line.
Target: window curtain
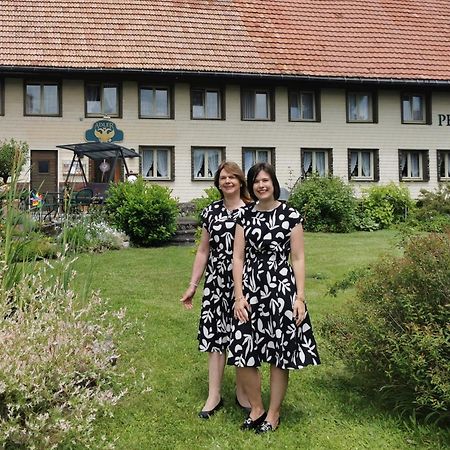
307	162
93	99
249	160
407	110
261	106
198	109
363	108
365	166
248	105
213	162
354	164
50	94
163	169
161	102
33	99
403	168
212	105
320	163
293	104
110	100
417	108
199	163
307	106
147	163
415	165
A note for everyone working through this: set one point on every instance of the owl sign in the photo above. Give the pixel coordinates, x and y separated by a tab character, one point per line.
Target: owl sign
104	131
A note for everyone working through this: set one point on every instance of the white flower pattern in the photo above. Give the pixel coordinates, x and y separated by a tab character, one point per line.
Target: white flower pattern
269	284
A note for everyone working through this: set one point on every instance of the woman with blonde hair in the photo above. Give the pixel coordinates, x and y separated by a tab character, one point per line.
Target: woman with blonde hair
215	254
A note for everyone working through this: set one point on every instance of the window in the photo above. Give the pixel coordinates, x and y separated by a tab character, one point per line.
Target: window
416	108
155	102
205	162
443	158
361	107
2	97
102	99
316	161
206	103
251	156
43	166
257	104
42	99
303	106
363	164
157	163
413	165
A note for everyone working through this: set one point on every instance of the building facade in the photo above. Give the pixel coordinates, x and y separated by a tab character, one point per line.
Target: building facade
184	120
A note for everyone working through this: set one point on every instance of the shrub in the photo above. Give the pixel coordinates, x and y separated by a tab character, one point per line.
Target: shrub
13	155
385	205
397	330
211	194
145	212
56	363
326	203
433	210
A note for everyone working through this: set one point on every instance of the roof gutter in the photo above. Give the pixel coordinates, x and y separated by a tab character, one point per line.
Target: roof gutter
328	79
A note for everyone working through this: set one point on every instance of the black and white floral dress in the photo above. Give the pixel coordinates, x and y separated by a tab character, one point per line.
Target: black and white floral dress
218	298
271	334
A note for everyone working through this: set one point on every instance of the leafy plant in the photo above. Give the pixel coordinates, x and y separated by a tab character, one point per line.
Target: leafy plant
210	195
145	212
397	330
326	203
13	155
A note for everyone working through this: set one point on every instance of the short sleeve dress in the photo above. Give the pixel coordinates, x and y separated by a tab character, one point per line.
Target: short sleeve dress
218	296
271	334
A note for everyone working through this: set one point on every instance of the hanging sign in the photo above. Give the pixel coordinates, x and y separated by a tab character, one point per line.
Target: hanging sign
104	131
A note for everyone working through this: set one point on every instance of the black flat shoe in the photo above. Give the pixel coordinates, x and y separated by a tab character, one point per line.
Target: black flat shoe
250	424
207	414
266	427
247	409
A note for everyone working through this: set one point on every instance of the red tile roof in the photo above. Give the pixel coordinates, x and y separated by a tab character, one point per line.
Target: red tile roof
401	39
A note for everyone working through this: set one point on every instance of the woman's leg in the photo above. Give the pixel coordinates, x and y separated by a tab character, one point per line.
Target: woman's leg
216	365
240	392
250	380
279	379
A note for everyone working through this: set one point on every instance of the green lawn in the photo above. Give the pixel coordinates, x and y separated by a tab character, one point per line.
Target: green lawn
325	408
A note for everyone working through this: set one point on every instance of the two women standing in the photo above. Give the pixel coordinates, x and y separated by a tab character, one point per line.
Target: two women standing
268	319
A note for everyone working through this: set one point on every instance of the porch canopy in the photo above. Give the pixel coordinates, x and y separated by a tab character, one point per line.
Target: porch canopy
99	151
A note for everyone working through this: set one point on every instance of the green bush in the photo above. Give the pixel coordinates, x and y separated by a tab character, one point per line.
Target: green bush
398	328
433	210
326	203
145	212
211	194
384	206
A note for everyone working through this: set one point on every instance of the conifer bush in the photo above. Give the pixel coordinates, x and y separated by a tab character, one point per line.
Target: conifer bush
398	328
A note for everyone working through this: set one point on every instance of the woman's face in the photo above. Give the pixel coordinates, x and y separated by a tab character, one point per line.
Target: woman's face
263	186
229	183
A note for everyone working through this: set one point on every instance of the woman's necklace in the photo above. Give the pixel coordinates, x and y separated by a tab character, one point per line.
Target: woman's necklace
267	207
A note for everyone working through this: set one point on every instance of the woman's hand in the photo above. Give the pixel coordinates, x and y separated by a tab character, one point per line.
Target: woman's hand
188	295
241	309
299	310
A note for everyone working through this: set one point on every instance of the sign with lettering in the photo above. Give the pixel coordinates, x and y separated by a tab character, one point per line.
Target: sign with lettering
444	120
104	131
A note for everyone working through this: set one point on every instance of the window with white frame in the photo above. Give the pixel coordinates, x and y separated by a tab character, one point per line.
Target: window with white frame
256	104
363	164
206	103
205	162
157	162
42	99
414	108
316	161
251	156
302	106
155	102
102	99
360	107
444	165
413	165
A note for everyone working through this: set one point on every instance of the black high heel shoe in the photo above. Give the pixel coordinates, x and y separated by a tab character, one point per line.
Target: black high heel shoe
207	414
250	424
247	409
267	427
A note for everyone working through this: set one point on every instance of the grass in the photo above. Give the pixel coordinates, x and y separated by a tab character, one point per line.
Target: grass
326	407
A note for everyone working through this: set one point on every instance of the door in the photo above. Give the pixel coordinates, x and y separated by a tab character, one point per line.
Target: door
44	171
